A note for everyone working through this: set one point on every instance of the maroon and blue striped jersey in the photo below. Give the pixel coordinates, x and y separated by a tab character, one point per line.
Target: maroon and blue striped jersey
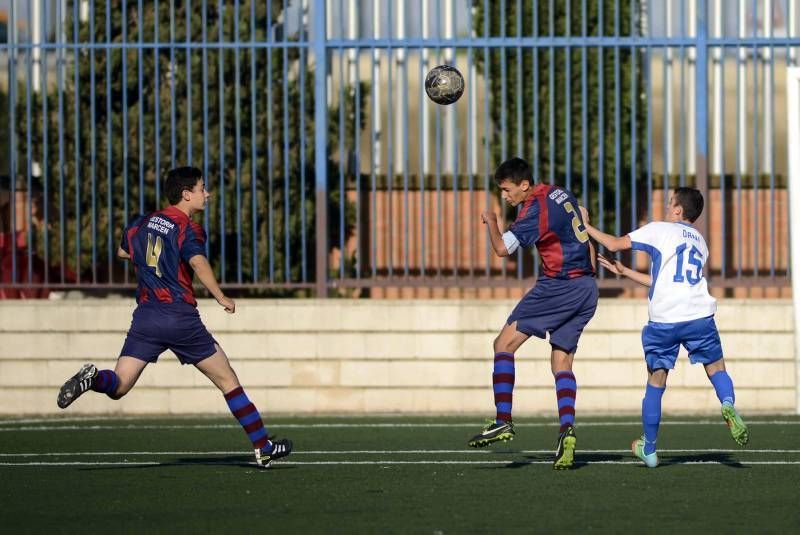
160	245
550	219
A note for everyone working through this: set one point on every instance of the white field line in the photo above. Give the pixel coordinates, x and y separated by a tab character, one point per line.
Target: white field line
382	462
374	452
7	427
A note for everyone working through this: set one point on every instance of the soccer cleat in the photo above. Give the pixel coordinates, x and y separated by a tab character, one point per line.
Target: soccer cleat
493	432
77	385
278	449
565	454
637	447
735	423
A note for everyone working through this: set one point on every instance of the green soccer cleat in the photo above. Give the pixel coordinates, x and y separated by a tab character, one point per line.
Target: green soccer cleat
735	423
637	447
565	454
493	432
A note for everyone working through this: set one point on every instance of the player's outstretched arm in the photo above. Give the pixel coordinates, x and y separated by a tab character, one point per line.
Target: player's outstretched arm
204	272
495	236
610	242
122	254
618	268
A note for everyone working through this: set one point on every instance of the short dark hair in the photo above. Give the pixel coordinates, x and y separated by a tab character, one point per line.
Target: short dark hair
179	180
691	200
516	170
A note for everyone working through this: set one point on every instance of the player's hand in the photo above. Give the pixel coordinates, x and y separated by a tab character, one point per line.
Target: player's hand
616	267
584	214
488	216
227	303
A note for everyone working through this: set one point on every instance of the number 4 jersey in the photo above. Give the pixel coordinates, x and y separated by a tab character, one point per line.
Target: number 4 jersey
550	219
678	252
160	245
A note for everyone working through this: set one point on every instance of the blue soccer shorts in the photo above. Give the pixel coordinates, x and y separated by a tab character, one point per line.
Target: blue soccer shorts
157	327
560	307
662	341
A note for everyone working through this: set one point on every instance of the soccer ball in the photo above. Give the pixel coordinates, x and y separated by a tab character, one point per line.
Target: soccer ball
444	84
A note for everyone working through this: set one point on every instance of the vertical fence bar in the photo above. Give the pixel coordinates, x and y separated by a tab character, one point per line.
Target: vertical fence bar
237	97
206	214
75	40
649	96
221	97
140	103
601	125
45	146
27	217
342	157
320	157
287	252
12	130
568	110
109	163
157	110
356	77
188	51
701	114
551	73
302	136
584	114
617	129
755	143
61	156
270	148
634	89
520	147
254	150
93	155
486	120
172	120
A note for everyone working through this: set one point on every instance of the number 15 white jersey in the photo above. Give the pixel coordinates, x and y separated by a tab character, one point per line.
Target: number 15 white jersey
678	252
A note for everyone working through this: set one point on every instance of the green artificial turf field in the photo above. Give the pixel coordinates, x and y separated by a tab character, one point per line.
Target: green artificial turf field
393	474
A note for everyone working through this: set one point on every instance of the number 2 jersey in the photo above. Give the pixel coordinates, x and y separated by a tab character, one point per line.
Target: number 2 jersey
678	252
550	219
160	245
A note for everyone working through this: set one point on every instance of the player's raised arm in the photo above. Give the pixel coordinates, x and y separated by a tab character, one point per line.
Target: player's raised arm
609	241
204	272
618	268
495	236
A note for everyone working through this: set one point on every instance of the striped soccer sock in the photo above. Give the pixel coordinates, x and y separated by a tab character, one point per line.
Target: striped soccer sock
503	385
106	382
248	417
566	391
651	416
723	386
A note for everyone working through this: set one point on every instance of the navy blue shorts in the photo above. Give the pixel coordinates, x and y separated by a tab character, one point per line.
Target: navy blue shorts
561	307
175	326
661	342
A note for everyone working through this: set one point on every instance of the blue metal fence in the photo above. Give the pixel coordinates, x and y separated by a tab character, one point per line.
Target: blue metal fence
303	117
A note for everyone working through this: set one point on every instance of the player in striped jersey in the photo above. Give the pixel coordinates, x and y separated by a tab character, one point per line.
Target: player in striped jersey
560	305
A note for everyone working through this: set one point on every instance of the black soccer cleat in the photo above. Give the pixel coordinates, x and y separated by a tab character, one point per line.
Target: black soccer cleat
565	454
493	432
77	385
278	449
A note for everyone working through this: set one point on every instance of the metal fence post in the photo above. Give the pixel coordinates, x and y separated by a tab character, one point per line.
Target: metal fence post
318	38
701	116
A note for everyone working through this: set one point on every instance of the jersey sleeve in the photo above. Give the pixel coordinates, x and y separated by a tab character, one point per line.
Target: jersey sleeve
193	242
124	242
644	238
526	228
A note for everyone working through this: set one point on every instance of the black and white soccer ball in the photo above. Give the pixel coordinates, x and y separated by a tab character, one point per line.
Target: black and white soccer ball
444	84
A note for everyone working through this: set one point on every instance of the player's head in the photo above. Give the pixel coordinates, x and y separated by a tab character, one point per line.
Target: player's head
686	204
514	177
185	185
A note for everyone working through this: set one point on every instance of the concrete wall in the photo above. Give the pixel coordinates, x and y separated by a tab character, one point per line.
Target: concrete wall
364	356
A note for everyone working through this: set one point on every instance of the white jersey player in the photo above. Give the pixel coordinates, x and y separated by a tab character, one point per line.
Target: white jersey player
681	310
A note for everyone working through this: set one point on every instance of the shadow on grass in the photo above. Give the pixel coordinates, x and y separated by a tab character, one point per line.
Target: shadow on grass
232	460
581	460
718	458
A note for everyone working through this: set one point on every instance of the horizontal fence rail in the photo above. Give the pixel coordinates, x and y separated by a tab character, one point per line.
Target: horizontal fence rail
332	173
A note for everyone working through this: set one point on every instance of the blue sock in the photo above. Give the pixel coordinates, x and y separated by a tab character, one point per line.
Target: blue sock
503	385
106	382
723	385
651	416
